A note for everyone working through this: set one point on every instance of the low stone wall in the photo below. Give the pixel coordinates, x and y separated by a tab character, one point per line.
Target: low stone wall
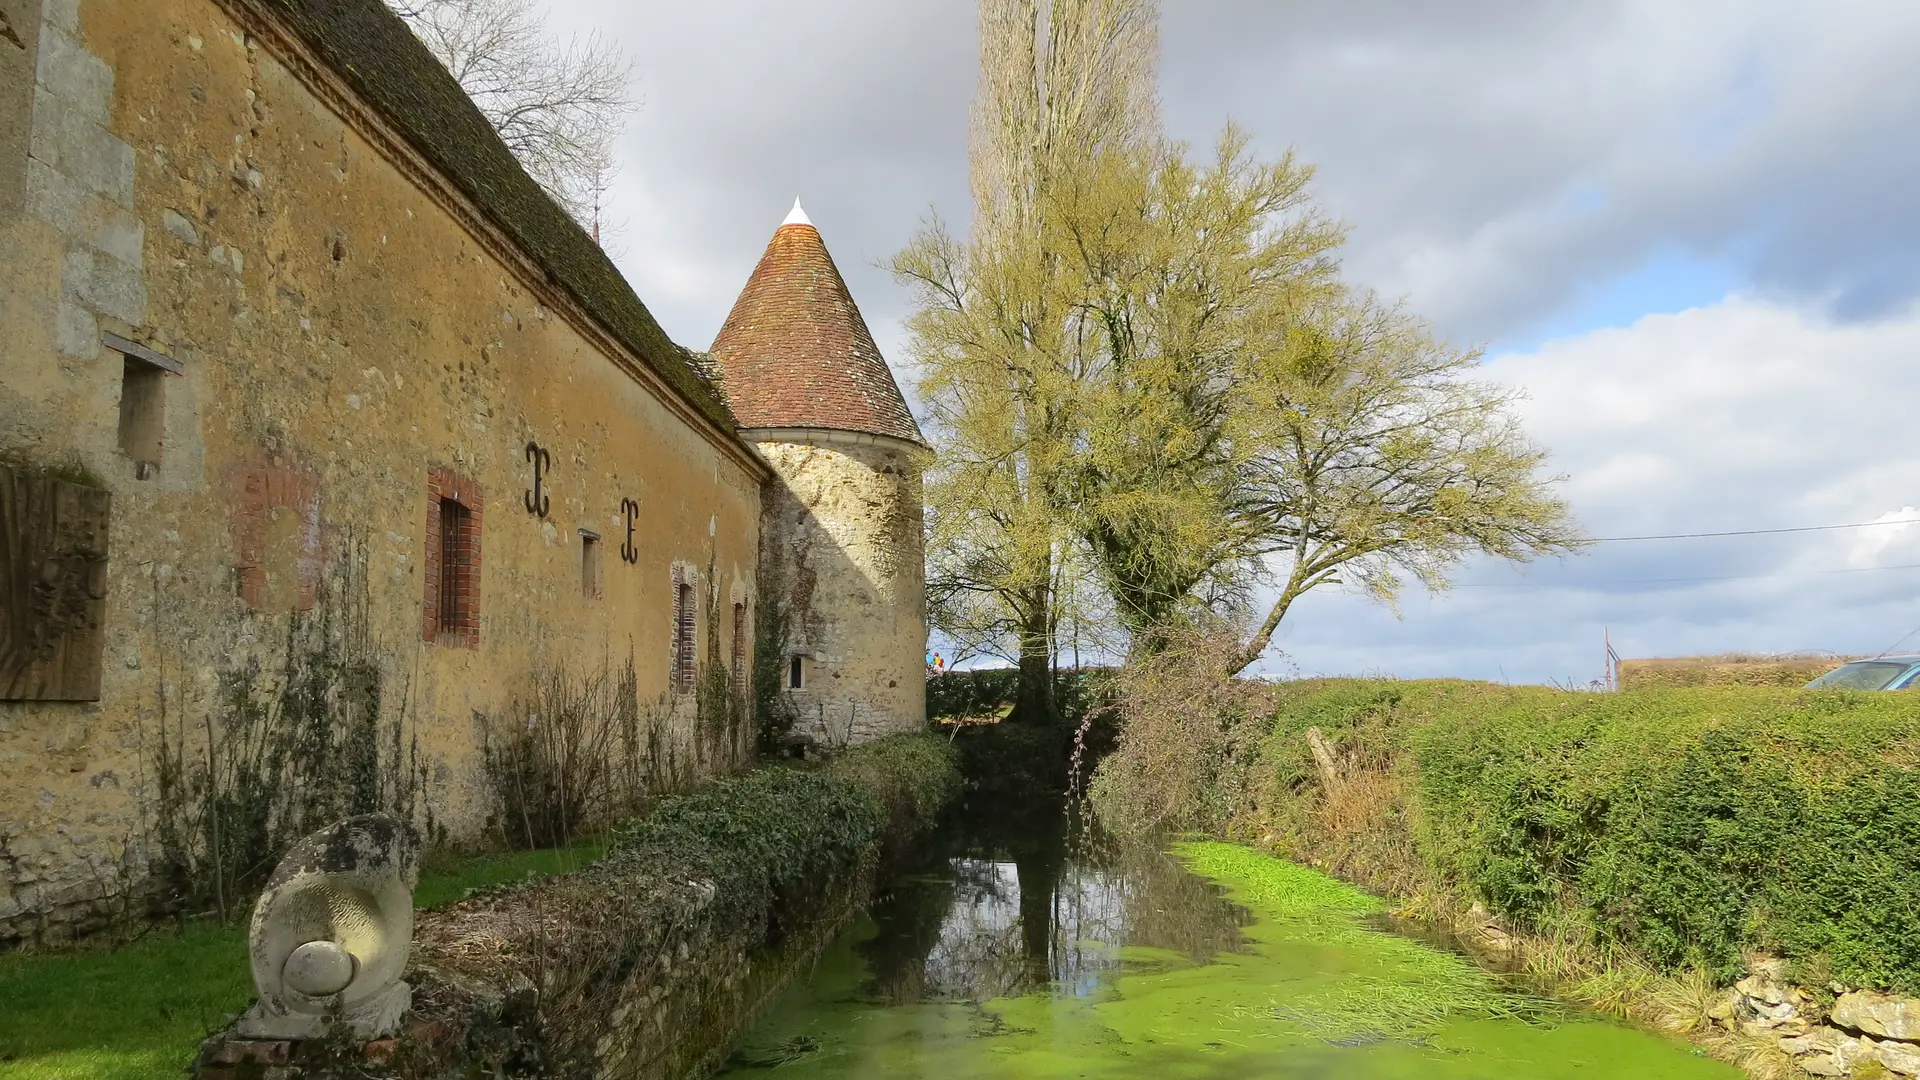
1833	1031
652	962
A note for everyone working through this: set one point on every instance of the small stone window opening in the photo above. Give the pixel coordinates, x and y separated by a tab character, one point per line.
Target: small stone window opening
684	658
797	673
143	402
592	566
738	665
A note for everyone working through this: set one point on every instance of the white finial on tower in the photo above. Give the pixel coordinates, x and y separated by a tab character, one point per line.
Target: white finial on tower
797	216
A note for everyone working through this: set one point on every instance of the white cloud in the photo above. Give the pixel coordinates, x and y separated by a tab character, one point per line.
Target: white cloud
1720	417
1897	541
1494	157
1743	415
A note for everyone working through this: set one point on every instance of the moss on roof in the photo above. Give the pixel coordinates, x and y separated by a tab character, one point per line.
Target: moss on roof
374	51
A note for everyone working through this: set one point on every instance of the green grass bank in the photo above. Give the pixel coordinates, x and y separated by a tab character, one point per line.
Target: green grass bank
138	1012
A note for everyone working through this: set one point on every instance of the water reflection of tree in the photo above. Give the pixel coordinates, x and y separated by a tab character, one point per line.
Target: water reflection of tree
1015	907
909	916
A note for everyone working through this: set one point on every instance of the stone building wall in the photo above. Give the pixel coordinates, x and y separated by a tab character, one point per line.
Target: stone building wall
350	331
843	548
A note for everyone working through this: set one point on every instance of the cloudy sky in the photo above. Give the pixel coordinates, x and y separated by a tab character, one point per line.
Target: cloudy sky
1689	231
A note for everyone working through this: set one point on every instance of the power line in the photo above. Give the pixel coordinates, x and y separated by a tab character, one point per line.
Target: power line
1897	644
1679	580
1753	532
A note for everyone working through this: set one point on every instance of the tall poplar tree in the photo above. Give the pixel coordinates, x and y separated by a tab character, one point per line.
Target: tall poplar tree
1060	81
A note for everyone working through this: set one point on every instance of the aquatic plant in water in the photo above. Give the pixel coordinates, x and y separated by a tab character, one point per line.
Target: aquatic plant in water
1409	991
1311	992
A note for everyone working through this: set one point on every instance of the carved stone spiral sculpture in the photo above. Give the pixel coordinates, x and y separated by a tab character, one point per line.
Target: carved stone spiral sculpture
330	934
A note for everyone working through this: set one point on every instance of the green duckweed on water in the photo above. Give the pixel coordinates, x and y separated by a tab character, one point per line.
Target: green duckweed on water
1313	991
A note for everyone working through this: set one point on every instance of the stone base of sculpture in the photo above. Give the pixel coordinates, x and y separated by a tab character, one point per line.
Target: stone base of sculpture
374	1018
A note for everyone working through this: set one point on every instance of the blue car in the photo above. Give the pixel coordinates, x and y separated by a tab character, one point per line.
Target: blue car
1879	673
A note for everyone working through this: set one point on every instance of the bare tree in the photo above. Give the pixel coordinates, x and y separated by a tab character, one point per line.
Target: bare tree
558	106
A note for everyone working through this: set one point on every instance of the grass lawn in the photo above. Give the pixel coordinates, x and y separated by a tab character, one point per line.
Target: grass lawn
139	1012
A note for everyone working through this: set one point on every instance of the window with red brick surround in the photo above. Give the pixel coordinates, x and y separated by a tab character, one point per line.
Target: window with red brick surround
685	651
451	606
740	650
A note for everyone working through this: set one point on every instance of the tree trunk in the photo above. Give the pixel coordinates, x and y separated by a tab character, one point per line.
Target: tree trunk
1038	872
1034	703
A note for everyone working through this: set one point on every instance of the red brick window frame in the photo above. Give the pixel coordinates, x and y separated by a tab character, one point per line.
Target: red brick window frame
739	658
686	659
451	605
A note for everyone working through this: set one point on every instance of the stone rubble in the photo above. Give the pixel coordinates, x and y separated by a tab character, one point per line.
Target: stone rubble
1860	1027
1879	1014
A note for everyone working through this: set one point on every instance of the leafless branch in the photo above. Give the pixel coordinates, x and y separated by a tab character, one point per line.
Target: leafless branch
559	106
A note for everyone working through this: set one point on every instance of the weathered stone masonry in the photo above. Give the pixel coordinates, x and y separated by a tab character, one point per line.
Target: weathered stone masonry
351	329
371	416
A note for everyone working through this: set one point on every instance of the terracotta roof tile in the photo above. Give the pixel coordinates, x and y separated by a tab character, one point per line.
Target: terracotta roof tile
796	353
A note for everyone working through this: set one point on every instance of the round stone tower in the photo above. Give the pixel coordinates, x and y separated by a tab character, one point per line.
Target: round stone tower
841	560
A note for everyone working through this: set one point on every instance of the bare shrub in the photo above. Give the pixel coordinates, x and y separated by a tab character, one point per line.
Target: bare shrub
1190	737
1361	830
296	738
574	753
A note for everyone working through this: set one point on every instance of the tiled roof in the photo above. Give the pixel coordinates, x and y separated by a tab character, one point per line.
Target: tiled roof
372	49
796	353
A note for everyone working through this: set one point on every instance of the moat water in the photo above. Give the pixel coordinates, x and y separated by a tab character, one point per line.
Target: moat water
1022	948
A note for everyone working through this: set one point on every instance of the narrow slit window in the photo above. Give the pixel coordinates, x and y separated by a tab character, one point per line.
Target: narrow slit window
455	587
683	648
796	674
143	402
739	657
592	567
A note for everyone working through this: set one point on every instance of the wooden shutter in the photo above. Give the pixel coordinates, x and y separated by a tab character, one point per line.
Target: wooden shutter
53	587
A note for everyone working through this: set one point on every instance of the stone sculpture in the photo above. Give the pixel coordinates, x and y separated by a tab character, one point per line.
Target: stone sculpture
330	934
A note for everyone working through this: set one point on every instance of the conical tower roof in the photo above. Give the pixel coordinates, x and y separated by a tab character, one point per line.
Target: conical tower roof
795	353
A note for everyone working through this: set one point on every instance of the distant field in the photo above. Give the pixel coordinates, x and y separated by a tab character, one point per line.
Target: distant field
1727	669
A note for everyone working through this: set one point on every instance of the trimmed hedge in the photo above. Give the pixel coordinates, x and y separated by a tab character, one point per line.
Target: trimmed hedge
764	837
974	692
1684	825
981	693
1791	670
